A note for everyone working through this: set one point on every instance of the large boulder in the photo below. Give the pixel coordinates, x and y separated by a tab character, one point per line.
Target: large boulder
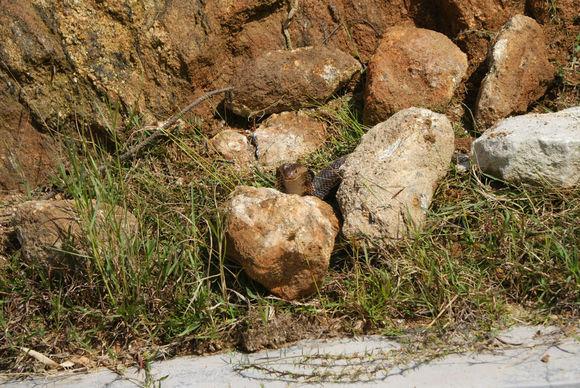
412	67
285	80
282	241
390	178
287	137
540	149
519	71
53	236
72	61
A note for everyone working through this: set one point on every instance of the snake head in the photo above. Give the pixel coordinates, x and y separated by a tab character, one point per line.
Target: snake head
294	178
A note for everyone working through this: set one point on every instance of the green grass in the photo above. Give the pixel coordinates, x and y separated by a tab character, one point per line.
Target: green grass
487	250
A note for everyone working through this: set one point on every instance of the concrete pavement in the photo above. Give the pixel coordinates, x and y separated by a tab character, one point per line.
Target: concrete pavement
525	357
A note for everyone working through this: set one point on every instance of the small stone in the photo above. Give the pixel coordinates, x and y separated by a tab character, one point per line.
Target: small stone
462	163
389	179
412	67
287	137
234	147
284	80
282	241
537	149
519	71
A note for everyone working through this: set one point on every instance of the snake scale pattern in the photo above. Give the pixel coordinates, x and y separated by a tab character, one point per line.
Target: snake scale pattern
295	178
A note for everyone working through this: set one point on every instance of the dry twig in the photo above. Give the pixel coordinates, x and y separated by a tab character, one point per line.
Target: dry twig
161	129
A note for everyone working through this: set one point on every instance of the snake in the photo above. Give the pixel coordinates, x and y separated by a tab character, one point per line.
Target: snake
296	178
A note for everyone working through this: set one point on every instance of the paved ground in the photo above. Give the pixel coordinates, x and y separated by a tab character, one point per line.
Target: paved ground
529	357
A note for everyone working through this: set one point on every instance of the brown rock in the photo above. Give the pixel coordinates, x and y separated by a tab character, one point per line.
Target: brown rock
27	157
389	179
286	80
79	62
235	147
287	137
412	67
51	233
519	72
282	241
461	15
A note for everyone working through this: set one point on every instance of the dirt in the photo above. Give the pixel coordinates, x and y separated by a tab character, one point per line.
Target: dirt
269	330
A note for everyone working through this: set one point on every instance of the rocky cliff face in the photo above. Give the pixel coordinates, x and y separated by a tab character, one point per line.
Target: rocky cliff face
73	60
76	63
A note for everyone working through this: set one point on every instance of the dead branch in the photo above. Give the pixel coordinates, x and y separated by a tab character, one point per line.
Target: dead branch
161	129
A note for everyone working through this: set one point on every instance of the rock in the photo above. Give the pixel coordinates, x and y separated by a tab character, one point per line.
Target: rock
282	241
412	67
287	137
27	157
233	146
51	232
390	177
74	60
519	71
462	162
460	15
285	80
539	149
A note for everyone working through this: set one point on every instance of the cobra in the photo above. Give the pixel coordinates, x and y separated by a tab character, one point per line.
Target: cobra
295	178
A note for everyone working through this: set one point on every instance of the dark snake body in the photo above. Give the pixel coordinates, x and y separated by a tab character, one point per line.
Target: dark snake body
294	178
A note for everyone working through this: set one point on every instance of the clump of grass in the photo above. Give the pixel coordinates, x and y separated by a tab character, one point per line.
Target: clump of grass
481	251
485	247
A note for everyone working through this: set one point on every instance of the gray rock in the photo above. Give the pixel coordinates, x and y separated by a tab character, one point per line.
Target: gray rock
519	71
286	80
534	148
287	137
390	178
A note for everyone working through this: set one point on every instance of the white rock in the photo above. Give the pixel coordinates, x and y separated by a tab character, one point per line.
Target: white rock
390	178
287	137
233	146
533	148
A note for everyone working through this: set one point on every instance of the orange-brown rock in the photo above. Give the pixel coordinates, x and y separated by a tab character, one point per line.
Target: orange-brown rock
287	137
543	11
412	67
286	80
459	15
282	241
519	72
